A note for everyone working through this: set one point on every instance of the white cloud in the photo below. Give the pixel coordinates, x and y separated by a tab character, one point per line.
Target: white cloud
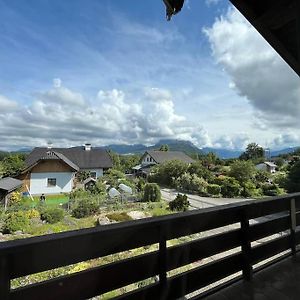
256	70
7	105
111	117
212	2
286	139
61	95
57	82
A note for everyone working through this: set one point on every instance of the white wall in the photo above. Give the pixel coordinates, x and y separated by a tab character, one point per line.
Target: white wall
262	167
39	183
99	172
148	160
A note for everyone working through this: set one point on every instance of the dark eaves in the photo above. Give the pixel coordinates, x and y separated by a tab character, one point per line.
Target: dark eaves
173	7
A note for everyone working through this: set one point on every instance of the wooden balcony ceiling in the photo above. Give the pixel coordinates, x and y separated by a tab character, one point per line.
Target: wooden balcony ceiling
278	21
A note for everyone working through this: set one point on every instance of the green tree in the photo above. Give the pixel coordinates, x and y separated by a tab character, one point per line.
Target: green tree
151	193
13	164
180	203
83	175
293	179
115	160
164	147
113	177
230	187
127	162
198	169
253	152
168	172
242	171
188	182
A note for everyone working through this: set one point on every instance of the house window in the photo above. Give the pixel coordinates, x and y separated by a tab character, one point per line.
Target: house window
51	182
94	175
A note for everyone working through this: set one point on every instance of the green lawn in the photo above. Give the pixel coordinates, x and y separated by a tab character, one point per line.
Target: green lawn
51	200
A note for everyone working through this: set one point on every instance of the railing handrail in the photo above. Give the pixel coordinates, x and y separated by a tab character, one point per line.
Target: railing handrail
139	224
32	255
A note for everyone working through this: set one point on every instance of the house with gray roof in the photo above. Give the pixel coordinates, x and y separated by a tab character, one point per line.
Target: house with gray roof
156	157
267	166
53	170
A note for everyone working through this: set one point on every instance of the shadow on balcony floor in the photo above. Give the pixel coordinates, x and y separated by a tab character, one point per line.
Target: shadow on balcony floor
280	281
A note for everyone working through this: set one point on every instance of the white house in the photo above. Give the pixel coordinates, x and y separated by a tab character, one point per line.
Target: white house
267	166
53	171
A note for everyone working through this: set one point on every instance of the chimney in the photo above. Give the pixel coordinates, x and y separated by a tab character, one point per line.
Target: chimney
87	147
49	145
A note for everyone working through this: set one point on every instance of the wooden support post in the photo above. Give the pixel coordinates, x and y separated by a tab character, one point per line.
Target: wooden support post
4	279
298	27
246	250
293	225
163	265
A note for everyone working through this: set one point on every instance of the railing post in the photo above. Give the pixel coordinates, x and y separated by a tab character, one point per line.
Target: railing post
163	264
4	279
293	225
246	249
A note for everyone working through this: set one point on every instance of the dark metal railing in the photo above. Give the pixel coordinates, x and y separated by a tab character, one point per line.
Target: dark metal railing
32	255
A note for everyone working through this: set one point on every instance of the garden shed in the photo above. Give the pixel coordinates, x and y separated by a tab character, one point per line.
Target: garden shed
7	186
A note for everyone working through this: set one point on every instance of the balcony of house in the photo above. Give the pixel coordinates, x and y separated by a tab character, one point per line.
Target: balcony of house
237	251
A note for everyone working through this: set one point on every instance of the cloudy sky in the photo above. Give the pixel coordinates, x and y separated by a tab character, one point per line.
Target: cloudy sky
114	71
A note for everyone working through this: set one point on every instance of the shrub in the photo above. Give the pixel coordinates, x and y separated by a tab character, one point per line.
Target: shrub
167	172
16	221
32	213
151	192
79	194
140	185
52	215
119	217
15	198
180	203
214	189
230	187
250	190
271	190
85	208
188	182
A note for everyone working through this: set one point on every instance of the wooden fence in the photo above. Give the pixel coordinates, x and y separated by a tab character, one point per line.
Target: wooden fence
32	255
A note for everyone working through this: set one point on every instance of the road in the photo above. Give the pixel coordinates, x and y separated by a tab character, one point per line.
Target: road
197	202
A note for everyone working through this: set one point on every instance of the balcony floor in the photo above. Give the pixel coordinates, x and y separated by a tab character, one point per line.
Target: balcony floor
280	281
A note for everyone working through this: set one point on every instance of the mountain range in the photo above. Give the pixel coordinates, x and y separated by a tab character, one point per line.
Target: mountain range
177	145
187	147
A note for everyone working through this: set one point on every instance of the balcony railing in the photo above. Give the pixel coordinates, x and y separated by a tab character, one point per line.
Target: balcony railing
28	256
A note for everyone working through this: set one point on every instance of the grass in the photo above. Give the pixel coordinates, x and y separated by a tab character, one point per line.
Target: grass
51	200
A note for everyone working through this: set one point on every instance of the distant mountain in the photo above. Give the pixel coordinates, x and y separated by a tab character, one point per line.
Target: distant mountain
174	145
188	148
284	151
223	153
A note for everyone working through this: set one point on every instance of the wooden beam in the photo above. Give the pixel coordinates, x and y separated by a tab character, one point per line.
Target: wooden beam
246	8
279	15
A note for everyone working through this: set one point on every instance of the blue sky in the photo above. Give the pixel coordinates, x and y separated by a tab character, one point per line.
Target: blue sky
114	71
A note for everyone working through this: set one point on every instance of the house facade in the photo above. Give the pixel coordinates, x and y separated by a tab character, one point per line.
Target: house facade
53	171
267	166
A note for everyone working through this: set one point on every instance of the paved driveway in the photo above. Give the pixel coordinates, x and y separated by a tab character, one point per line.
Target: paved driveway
197	202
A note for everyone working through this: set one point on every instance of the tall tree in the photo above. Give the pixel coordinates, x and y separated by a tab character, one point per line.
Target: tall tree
242	171
293	184
12	165
253	152
164	147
